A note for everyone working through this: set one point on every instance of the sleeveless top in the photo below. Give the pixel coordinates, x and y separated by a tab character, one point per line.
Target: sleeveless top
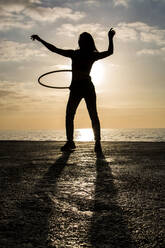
81	66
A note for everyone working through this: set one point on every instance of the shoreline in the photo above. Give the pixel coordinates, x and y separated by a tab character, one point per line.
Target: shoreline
85	135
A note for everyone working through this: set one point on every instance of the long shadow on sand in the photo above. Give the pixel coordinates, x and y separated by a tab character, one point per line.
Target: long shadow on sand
37	207
109	229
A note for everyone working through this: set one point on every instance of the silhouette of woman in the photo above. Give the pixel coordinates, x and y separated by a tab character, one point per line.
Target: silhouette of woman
81	84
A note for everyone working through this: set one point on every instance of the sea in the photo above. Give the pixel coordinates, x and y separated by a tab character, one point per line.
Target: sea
86	134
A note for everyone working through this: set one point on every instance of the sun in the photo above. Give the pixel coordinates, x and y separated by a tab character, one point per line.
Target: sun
84	134
97	73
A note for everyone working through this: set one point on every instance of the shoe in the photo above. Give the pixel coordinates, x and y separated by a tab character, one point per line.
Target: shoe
98	148
68	147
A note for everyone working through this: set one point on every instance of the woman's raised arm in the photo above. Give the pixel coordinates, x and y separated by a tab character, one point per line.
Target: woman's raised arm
104	54
52	48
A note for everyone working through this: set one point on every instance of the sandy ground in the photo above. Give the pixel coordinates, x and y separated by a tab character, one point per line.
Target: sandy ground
50	199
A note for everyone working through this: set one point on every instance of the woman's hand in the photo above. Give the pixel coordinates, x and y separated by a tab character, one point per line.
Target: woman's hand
35	37
111	33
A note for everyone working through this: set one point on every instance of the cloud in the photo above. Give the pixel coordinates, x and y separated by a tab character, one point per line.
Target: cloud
152	52
13	22
15	51
83	4
156	1
70	30
149	52
123	3
52	14
141	31
156	36
92	2
11	7
126	33
24	14
11	15
35	1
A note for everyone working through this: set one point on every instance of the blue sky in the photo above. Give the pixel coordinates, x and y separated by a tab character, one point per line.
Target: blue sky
131	86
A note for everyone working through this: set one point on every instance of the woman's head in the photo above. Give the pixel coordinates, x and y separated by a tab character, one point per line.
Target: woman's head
86	42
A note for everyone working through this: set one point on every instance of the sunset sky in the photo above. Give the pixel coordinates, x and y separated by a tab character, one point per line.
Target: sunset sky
130	84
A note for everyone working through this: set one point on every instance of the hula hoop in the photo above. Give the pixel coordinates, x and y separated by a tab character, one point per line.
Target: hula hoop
49	86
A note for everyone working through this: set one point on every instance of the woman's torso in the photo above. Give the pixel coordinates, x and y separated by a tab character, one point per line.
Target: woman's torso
81	65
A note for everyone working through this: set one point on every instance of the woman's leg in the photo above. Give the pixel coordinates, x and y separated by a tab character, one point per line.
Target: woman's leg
73	102
90	99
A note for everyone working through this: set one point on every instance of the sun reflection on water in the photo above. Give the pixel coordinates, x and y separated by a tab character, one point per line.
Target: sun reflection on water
84	134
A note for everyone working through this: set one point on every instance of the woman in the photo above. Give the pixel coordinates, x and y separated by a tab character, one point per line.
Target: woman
81	84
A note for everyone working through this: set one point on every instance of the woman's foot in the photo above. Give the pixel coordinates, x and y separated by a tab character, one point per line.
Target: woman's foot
68	147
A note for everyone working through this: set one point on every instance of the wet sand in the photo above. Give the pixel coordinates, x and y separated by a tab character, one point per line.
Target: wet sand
54	199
